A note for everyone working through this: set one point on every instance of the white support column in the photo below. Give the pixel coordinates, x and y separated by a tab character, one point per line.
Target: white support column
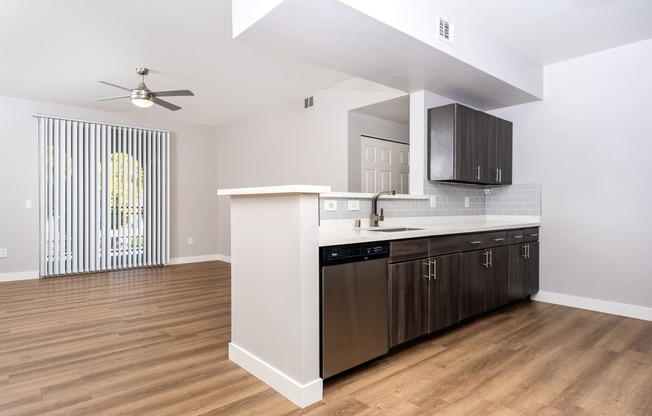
418	148
275	287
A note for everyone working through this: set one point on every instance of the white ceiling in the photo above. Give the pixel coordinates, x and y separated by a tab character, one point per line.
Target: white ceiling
50	49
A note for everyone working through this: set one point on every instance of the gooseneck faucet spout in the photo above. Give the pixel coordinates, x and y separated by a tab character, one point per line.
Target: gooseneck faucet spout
373	220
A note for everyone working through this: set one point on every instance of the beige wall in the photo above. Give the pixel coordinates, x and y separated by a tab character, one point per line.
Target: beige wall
589	144
193	182
286	145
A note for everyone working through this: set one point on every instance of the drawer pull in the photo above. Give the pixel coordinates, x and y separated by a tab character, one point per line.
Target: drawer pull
498	239
534	235
429	270
476	242
517	236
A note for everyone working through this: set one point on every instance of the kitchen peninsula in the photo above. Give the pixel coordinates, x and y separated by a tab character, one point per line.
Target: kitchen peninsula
275	240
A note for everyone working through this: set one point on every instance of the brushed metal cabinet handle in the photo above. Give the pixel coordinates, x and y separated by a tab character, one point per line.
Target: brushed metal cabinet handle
434	270
486	263
517	236
478	174
524	251
475	242
427	275
499	239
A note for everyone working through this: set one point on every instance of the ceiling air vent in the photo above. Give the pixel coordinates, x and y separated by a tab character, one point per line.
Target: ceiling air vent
446	30
308	102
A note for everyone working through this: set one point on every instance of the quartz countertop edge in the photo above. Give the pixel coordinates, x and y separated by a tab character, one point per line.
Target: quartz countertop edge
337	232
271	190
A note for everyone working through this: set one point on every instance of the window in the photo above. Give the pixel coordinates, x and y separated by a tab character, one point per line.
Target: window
104	196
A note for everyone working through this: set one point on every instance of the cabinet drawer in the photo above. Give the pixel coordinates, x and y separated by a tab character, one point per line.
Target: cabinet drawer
405	250
482	240
444	245
531	234
515	236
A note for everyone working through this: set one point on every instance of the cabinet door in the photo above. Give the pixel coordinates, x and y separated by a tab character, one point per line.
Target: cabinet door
496	278
515	271
444	292
504	150
466	144
472	283
487	147
408	300
531	275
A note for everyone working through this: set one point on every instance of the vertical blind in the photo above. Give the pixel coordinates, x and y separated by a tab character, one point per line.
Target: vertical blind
104	196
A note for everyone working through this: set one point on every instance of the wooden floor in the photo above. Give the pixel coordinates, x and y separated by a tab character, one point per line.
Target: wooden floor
154	342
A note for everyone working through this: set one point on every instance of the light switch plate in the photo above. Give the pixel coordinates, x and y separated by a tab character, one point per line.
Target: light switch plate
330	205
354	205
28	204
3	252
191	241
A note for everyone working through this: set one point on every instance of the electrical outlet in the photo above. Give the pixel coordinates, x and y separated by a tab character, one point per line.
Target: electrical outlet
330	205
28	204
433	201
354	205
3	252
191	241
467	202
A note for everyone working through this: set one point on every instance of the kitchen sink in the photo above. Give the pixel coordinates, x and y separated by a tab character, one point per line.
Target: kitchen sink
393	229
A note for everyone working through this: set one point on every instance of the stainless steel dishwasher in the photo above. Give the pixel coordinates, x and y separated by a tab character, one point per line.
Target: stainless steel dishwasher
354	305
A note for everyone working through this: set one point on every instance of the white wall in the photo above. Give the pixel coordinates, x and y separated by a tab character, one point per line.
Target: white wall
474	44
589	143
193	182
286	145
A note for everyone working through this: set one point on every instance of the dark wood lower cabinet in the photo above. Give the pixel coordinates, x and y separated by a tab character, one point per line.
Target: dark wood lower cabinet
444	292
483	280
427	294
472	277
408	298
496	279
523	270
531	275
424	297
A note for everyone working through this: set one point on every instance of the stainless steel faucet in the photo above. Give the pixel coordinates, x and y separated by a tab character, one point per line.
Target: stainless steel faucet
373	220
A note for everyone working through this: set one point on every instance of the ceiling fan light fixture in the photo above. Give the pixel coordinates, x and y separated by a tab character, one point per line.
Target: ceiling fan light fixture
142	102
141	97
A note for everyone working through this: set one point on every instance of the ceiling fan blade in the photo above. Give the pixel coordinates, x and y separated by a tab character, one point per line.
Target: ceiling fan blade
166	104
111	98
113	85
175	93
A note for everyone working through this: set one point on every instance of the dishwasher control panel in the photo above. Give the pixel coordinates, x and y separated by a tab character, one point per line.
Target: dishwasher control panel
353	253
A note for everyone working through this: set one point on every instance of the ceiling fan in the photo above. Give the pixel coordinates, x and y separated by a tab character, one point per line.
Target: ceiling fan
141	96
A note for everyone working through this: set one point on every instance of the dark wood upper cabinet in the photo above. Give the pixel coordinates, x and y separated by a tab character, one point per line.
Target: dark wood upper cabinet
487	147
503	152
466	145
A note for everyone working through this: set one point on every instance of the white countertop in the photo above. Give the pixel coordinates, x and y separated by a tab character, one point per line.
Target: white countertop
271	190
336	232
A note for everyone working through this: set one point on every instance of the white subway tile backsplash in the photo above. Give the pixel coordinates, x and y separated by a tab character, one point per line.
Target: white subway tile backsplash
521	199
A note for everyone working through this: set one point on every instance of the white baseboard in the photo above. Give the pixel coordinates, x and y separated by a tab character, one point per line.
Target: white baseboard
613	308
303	395
34	274
10	277
197	259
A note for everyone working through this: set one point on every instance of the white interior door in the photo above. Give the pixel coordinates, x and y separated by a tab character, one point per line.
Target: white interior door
385	165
